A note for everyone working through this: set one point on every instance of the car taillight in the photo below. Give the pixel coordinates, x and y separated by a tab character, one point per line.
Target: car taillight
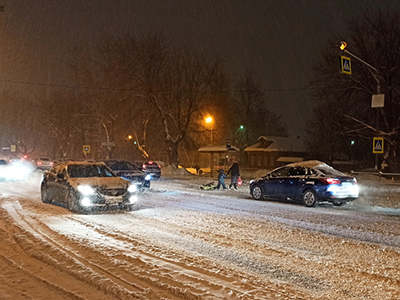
39	163
159	166
330	180
51	163
144	167
150	162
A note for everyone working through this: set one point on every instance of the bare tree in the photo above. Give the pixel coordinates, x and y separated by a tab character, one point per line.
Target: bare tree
347	98
175	82
251	110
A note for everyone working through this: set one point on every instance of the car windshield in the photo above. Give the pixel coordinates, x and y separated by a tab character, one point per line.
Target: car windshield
79	171
121	165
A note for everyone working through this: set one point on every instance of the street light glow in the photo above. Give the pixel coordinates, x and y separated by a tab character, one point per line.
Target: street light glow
343	45
209	120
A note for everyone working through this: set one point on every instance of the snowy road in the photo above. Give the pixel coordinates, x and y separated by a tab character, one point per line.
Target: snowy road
184	243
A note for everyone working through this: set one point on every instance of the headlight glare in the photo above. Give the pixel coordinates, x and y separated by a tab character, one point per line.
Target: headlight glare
86	189
132	188
148	177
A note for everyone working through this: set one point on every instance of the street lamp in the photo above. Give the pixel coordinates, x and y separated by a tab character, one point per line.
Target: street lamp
209	120
378	99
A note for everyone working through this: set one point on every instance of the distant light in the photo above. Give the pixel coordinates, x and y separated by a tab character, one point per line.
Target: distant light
352	143
343	45
241	126
129	137
209	120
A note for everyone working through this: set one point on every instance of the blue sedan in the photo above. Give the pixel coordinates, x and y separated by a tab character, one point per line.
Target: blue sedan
309	182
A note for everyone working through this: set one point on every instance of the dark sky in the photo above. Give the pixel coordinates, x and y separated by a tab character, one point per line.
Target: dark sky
279	39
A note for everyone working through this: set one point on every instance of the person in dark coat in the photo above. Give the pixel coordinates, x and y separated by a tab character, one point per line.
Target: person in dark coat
234	171
221	180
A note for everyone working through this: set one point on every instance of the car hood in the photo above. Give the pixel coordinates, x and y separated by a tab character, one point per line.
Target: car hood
107	182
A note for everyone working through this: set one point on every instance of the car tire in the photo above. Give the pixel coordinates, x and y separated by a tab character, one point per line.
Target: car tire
309	198
44	195
338	203
256	192
72	203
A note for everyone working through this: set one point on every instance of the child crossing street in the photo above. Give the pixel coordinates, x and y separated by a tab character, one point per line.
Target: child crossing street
221	180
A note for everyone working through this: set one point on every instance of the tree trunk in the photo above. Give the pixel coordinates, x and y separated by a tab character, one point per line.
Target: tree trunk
173	153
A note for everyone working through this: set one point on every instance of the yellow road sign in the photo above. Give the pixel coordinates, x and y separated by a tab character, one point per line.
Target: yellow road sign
378	145
86	149
345	63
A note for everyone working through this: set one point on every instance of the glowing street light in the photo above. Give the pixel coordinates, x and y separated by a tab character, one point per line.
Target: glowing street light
209	120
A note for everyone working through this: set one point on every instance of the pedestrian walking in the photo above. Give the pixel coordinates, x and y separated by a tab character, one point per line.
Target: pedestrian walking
234	171
221	180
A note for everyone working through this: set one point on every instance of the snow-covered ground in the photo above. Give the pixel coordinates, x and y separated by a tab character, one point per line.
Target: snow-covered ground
184	243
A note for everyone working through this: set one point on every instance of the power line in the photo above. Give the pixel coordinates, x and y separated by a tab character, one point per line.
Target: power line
122	89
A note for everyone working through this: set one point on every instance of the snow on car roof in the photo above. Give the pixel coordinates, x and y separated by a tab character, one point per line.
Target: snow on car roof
316	164
308	164
82	162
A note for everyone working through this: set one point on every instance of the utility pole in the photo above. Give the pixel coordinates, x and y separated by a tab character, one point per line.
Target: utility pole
378	98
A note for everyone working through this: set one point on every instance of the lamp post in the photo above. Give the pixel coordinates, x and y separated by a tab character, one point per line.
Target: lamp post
376	101
209	120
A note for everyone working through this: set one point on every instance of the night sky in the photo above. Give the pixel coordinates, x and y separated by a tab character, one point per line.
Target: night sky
279	39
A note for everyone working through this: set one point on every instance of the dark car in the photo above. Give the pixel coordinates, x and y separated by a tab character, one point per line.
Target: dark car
308	181
84	186
128	171
150	168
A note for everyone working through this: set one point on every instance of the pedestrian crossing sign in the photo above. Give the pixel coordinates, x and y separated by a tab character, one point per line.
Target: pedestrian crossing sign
378	145
345	63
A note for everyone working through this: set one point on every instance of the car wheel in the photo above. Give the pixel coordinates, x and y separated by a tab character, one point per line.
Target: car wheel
44	194
72	203
309	198
257	193
338	203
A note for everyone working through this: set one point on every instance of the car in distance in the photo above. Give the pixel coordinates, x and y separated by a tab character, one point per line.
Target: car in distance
85	186
310	182
128	171
150	168
43	163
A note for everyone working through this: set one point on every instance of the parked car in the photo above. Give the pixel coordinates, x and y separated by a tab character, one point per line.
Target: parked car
128	171
84	186
309	182
43	163
150	168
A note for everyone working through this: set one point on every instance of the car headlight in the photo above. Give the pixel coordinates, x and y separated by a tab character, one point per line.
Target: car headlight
148	177
86	189
251	181
132	188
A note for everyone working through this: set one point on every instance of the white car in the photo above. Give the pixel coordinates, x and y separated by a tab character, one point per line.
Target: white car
43	163
84	186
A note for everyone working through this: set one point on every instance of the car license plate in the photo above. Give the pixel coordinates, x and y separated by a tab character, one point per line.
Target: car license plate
113	200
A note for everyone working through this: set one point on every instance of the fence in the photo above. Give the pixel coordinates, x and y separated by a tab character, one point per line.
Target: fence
380	174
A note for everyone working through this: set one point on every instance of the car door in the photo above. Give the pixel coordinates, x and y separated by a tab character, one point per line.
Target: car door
272	184
291	187
61	184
